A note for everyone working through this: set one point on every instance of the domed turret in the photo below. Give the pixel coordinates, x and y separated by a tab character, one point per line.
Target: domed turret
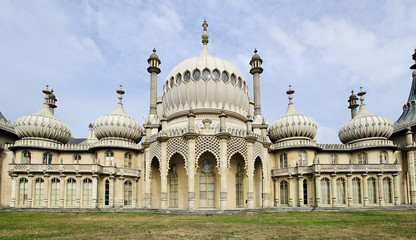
205	84
292	124
43	124
118	124
365	125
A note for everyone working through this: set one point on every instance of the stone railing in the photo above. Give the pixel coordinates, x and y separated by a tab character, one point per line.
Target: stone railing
72	168
294	143
337	168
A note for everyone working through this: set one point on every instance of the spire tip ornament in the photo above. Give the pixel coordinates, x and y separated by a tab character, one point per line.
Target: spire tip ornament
204	32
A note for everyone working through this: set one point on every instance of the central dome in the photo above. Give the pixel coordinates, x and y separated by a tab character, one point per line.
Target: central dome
205	84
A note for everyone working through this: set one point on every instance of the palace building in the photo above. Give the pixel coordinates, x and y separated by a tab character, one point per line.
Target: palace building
206	145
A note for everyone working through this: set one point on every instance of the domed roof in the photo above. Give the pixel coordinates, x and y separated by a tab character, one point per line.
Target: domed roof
118	124
292	124
205	83
43	124
365	125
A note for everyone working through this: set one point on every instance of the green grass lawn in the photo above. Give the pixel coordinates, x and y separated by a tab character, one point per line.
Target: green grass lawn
398	224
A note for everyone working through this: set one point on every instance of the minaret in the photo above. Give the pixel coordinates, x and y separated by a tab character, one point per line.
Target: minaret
353	104
256	70
154	70
50	99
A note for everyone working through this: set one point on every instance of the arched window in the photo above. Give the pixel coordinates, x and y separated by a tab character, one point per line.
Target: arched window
71	191
26	157
239	187
325	191
47	158
372	190
362	158
39	186
383	157
341	191
283	160
76	159
387	193
284	198
87	192
109	158
55	192
305	191
107	193
356	191
128	193
127	160
333	159
207	186
23	184
173	187
302	158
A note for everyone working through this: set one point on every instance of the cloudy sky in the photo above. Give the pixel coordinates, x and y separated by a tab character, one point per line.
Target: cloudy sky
85	49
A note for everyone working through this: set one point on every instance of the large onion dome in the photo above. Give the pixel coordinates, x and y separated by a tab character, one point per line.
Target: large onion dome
292	124
205	84
118	124
365	125
43	124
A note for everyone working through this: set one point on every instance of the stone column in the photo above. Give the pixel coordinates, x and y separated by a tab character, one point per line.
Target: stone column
223	171
13	192
276	192
334	190
396	189
191	138
317	190
154	70
111	192
121	192
30	190
163	176
134	192
411	172
46	191
62	188
95	191
300	190
365	189
266	178
291	191
250	174
349	189
147	179
78	195
380	189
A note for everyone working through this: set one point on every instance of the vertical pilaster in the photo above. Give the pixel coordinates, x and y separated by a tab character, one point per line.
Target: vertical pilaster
191	138
78	193
134	203
30	190
365	189
111	192
223	171
148	180
250	175
94	191
121	192
163	176
396	189
317	190
13	192
276	192
46	191
349	189
300	190
62	188
411	172
380	189
266	178
291	191
334	189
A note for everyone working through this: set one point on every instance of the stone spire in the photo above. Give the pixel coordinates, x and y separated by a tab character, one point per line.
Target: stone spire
154	70
256	70
353	104
205	33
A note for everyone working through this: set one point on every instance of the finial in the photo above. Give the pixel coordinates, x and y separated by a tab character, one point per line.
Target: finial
46	91
205	33
361	94
352	92
120	94
290	92
255	50
414	58
154	50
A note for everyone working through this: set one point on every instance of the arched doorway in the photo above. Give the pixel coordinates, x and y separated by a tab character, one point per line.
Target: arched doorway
237	182
177	182
258	182
207	181
155	183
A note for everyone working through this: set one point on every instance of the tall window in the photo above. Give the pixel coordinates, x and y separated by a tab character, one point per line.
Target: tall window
302	158
128	193
26	157
383	157
127	160
325	191
206	186
284	198
372	190
173	187
362	158
387	193
87	192
107	193
341	190
47	158
23	184
39	186
71	190
283	160
76	159
305	191
55	192
356	191
239	186
333	159
109	158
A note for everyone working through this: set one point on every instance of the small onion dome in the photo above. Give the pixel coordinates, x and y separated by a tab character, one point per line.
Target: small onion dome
118	124
365	125
256	56
292	124
43	124
153	55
